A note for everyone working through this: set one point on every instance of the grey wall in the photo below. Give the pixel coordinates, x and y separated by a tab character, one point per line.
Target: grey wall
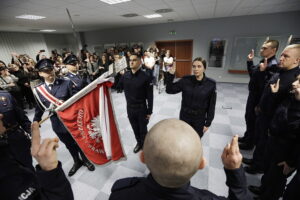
60	41
31	43
202	31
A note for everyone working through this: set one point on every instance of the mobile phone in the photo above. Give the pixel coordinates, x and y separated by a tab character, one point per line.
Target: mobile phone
43	50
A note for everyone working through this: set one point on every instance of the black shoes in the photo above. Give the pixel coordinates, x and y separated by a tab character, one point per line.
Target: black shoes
253	169
137	148
247	161
246	146
255	189
89	165
74	169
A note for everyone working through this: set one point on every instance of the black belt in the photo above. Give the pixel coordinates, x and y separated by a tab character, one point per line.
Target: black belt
193	111
141	105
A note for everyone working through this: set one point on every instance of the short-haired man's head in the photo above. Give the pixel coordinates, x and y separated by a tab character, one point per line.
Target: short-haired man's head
172	152
290	56
296	47
273	43
269	48
201	60
135	61
137	55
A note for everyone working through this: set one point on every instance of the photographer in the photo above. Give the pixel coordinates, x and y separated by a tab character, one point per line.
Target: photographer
8	82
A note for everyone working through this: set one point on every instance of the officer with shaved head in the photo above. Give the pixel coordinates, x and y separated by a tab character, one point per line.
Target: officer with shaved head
173	153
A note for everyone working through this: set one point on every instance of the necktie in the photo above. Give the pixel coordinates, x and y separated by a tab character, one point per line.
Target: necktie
50	86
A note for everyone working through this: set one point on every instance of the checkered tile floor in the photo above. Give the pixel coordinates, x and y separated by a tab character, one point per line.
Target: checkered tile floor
228	121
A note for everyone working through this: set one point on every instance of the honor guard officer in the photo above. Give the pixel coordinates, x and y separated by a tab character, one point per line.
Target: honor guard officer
138	89
47	182
48	93
72	64
17	123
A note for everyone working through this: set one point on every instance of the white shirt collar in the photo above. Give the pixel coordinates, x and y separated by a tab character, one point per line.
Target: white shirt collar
49	83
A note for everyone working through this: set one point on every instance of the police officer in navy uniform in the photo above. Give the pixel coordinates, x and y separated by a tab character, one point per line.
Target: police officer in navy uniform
17	181
138	89
173	153
259	76
18	129
72	64
61	89
278	131
287	73
198	96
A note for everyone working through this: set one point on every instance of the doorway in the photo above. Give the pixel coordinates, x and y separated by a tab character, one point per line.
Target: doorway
182	52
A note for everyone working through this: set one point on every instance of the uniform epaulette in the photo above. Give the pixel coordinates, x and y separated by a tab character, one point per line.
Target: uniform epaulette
125	183
39	84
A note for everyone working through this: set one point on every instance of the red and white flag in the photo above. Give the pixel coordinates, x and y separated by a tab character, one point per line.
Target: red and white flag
89	117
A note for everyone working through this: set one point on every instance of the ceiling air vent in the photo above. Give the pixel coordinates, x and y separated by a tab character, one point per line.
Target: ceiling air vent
165	10
130	15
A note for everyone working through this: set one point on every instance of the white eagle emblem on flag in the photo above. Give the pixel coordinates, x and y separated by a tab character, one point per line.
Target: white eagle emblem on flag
94	129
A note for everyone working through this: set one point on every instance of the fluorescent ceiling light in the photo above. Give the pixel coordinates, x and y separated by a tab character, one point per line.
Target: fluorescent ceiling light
47	30
30	17
114	1
152	16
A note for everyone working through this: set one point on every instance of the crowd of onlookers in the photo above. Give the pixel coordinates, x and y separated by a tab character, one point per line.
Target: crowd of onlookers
20	74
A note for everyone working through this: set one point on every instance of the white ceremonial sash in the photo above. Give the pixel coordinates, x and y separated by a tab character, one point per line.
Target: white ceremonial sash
52	99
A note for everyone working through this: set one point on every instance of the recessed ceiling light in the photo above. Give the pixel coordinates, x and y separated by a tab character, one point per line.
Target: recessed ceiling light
30	17
152	16
165	10
114	1
130	15
47	30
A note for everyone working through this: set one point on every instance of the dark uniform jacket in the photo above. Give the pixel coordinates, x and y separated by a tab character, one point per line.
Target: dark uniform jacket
287	77
63	90
20	183
197	96
138	89
148	189
78	82
13	115
285	126
16	122
258	79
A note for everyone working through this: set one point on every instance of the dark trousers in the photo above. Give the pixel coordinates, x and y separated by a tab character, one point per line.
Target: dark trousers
274	181
27	93
137	118
195	121
19	145
261	138
250	118
64	136
117	79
